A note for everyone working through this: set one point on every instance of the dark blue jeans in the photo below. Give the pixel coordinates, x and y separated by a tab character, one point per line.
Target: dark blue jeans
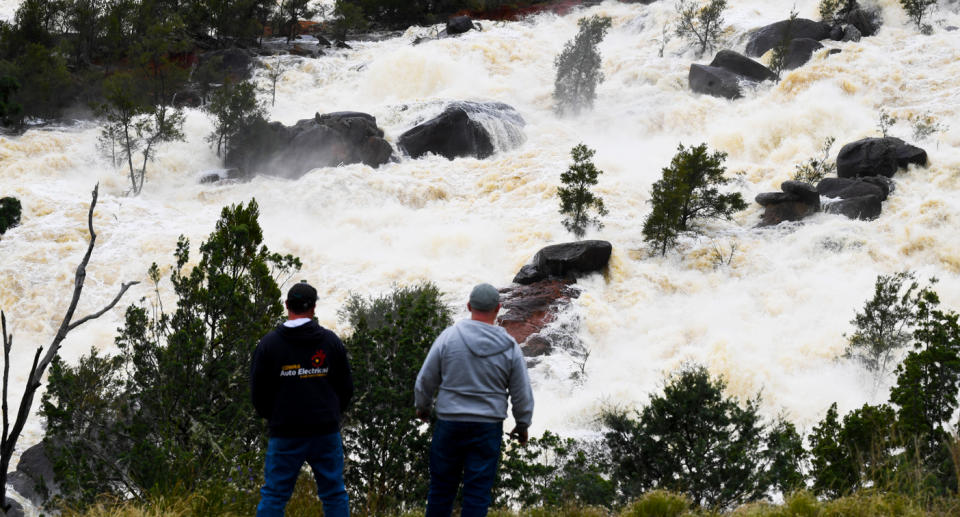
467	450
285	457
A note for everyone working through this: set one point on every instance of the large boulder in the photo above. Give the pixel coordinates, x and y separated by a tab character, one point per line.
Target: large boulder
799	52
324	141
711	80
863	207
10	211
846	188
851	33
474	129
566	262
877	157
796	201
743	66
459	25
770	36
233	63
775	214
803	191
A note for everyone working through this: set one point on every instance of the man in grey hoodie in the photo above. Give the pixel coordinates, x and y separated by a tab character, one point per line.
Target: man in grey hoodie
476	366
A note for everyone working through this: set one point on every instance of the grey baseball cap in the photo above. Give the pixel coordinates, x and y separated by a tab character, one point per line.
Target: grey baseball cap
484	297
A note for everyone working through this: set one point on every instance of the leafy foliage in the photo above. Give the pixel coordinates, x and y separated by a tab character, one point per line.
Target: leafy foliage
576	200
701	24
815	169
168	413
233	107
687	191
11	111
834	10
926	125
9	213
388	468
886	122
884	327
578	67
779	55
917	9
691	439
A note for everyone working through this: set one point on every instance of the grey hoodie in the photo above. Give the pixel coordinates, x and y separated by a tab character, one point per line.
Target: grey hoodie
475	366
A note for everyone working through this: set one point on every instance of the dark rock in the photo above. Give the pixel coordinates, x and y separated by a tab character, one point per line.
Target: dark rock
847	188
458	131
907	154
951	28
836	32
216	176
775	198
714	81
851	33
34	477
235	63
867	22
566	261
459	25
343	45
885	184
10	212
834	51
799	52
742	66
527	309
15	510
868	157
770	36
863	207
323	141
787	211
536	346
806	192
305	51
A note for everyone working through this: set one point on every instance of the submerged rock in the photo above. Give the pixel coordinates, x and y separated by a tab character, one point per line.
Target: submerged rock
743	66
328	140
799	52
877	157
770	36
796	201
863	207
711	80
846	188
775	214
566	261
465	129
527	309
459	25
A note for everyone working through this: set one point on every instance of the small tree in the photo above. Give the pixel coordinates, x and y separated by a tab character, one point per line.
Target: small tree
232	108
833	10
917	9
576	200
171	411
687	191
41	360
691	439
885	123
815	169
780	51
11	111
885	325
701	24
347	17
388	469
291	12
274	73
578	67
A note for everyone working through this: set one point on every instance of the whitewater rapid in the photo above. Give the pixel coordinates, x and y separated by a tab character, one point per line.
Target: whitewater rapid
772	320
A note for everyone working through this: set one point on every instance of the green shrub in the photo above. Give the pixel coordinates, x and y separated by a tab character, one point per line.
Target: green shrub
658	503
576	199
578	67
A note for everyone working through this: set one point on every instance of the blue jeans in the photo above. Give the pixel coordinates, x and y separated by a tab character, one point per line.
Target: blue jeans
467	450
285	457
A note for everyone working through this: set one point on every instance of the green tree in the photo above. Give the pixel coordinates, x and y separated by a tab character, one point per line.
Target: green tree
291	12
917	9
833	10
688	191
11	111
9	213
232	107
347	17
780	51
701	24
884	326
171	409
691	439
815	169
578	67
576	199
388	467
831	465
786	457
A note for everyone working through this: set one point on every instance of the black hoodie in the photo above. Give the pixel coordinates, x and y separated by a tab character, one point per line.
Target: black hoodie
300	380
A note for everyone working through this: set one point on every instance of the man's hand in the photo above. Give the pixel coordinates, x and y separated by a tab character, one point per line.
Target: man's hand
424	415
519	434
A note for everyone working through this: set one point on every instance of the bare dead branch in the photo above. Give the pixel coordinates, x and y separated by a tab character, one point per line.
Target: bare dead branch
116	299
7	344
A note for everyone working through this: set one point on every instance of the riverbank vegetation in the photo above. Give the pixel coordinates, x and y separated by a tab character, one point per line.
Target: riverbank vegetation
165	427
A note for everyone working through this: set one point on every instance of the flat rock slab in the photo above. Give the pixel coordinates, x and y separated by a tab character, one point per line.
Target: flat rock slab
566	262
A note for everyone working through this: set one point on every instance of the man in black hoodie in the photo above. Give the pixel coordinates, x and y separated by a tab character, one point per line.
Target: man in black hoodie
300	382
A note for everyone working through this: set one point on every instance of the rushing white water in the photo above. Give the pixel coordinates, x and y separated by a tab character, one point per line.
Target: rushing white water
771	320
